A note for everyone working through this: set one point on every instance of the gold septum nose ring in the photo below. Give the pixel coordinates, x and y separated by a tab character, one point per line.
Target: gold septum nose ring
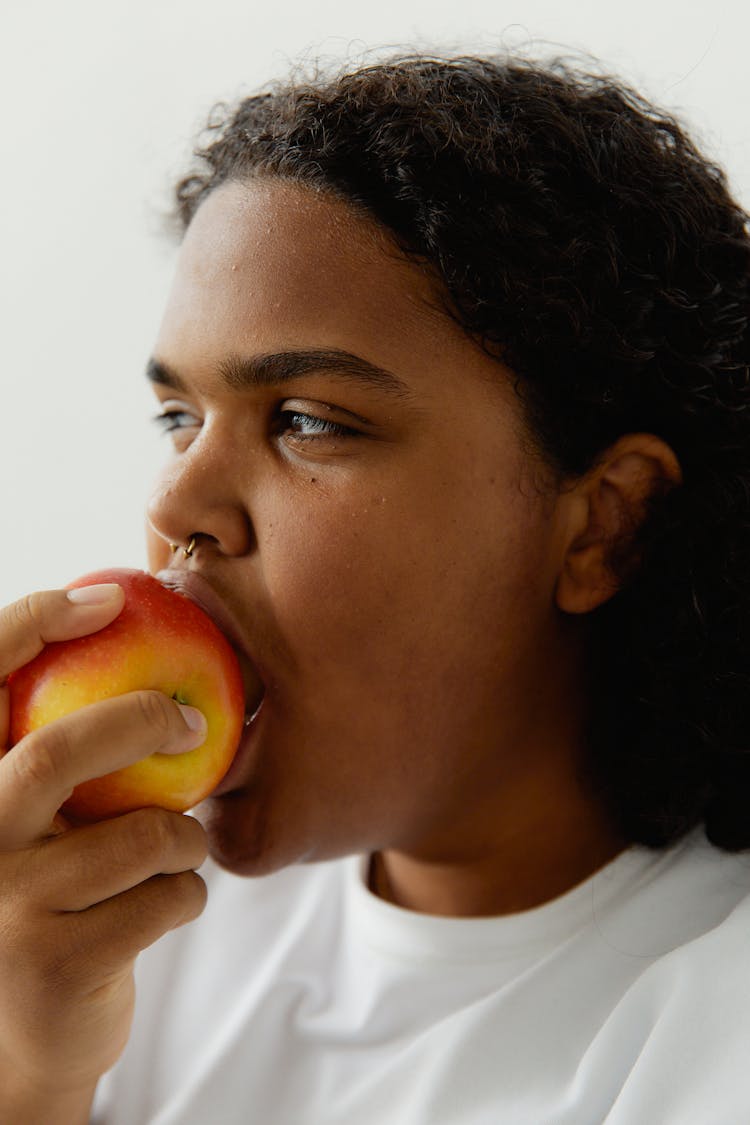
187	551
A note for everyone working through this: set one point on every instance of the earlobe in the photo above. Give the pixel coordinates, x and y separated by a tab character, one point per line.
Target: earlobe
607	509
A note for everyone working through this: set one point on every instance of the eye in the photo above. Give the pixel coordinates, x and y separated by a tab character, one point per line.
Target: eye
173	420
174	417
301	425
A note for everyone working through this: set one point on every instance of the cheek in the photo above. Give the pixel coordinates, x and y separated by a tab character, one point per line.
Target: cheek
379	585
324	563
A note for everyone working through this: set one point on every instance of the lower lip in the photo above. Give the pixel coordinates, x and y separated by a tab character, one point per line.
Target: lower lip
240	768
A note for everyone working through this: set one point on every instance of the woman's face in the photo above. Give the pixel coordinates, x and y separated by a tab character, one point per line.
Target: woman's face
370	513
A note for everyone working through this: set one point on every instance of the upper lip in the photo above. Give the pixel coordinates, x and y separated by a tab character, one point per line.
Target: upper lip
200	591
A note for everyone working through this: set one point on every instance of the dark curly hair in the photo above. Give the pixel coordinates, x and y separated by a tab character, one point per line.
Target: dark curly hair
582	238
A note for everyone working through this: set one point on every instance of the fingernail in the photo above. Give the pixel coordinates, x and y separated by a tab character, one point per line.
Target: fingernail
195	720
94	595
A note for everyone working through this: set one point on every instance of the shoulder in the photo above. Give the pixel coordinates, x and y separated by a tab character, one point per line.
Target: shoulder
683	1027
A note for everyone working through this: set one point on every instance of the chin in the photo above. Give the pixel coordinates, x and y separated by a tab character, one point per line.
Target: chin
245	840
239	836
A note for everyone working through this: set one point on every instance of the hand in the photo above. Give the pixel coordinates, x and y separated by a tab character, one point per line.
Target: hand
77	904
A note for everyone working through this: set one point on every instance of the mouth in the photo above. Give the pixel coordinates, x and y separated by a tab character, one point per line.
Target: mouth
242	768
199	591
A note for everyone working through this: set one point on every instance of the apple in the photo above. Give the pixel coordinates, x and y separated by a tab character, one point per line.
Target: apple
160	640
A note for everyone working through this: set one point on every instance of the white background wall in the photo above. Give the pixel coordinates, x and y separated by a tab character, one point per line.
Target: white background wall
100	100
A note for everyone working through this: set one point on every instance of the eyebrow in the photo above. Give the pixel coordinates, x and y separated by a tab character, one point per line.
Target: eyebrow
242	373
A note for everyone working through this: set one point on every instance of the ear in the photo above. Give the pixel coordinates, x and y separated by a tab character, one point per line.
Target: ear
606	510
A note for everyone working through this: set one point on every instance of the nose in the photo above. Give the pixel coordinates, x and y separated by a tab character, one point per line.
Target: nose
197	497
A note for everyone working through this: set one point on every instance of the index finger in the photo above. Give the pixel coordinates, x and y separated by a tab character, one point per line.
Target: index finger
41	771
27	625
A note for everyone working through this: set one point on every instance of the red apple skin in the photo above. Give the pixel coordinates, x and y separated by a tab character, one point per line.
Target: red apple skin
161	640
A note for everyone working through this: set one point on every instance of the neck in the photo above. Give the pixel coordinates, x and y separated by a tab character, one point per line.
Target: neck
529	862
524	827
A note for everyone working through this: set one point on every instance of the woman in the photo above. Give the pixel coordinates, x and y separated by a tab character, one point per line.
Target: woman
455	375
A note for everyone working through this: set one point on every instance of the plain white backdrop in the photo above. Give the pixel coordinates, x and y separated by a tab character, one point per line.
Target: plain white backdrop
101	100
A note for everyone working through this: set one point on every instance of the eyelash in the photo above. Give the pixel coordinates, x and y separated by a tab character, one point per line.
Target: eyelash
318	427
167	422
170	421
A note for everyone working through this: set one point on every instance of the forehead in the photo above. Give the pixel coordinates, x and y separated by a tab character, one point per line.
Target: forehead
270	264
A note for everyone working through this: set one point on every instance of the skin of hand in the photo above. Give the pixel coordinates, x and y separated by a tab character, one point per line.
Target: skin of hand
77	904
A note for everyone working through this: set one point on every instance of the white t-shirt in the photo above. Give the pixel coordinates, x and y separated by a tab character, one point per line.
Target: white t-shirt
302	999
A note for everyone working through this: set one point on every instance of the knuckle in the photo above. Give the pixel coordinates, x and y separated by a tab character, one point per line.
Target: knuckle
190	895
177	898
152	831
156	711
37	763
28	611
163	903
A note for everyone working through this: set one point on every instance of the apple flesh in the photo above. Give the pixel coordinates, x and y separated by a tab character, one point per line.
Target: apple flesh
161	640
